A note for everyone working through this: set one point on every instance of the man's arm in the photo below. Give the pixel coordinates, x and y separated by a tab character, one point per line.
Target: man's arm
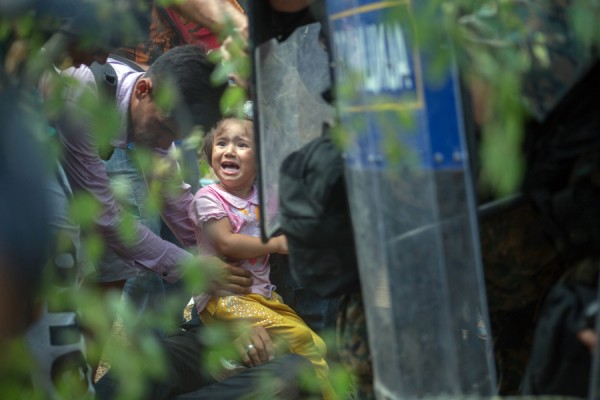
176	195
86	172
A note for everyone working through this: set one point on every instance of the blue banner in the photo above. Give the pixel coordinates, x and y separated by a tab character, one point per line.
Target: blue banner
388	107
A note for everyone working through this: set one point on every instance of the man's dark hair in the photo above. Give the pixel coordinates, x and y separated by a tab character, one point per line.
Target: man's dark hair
189	70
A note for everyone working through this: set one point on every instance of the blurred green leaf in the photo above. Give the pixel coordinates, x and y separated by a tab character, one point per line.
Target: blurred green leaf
583	16
5	28
128	228
84	209
166	98
233	101
198	272
223	71
93	244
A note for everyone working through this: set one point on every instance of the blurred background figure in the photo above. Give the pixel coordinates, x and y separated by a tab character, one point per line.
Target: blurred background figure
61	33
207	23
24	232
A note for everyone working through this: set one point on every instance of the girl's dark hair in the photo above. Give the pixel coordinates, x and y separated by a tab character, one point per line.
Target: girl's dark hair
189	70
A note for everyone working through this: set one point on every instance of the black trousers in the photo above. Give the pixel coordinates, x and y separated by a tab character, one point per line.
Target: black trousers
186	379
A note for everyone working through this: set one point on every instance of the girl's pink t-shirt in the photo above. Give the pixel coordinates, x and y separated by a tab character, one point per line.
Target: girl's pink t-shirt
213	203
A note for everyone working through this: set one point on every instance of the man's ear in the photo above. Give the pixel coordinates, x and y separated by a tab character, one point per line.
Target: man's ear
143	87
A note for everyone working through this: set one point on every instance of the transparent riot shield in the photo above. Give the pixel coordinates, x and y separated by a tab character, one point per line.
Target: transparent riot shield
290	79
412	206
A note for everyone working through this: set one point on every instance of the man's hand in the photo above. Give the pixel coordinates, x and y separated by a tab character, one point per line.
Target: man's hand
213	276
231	280
255	346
